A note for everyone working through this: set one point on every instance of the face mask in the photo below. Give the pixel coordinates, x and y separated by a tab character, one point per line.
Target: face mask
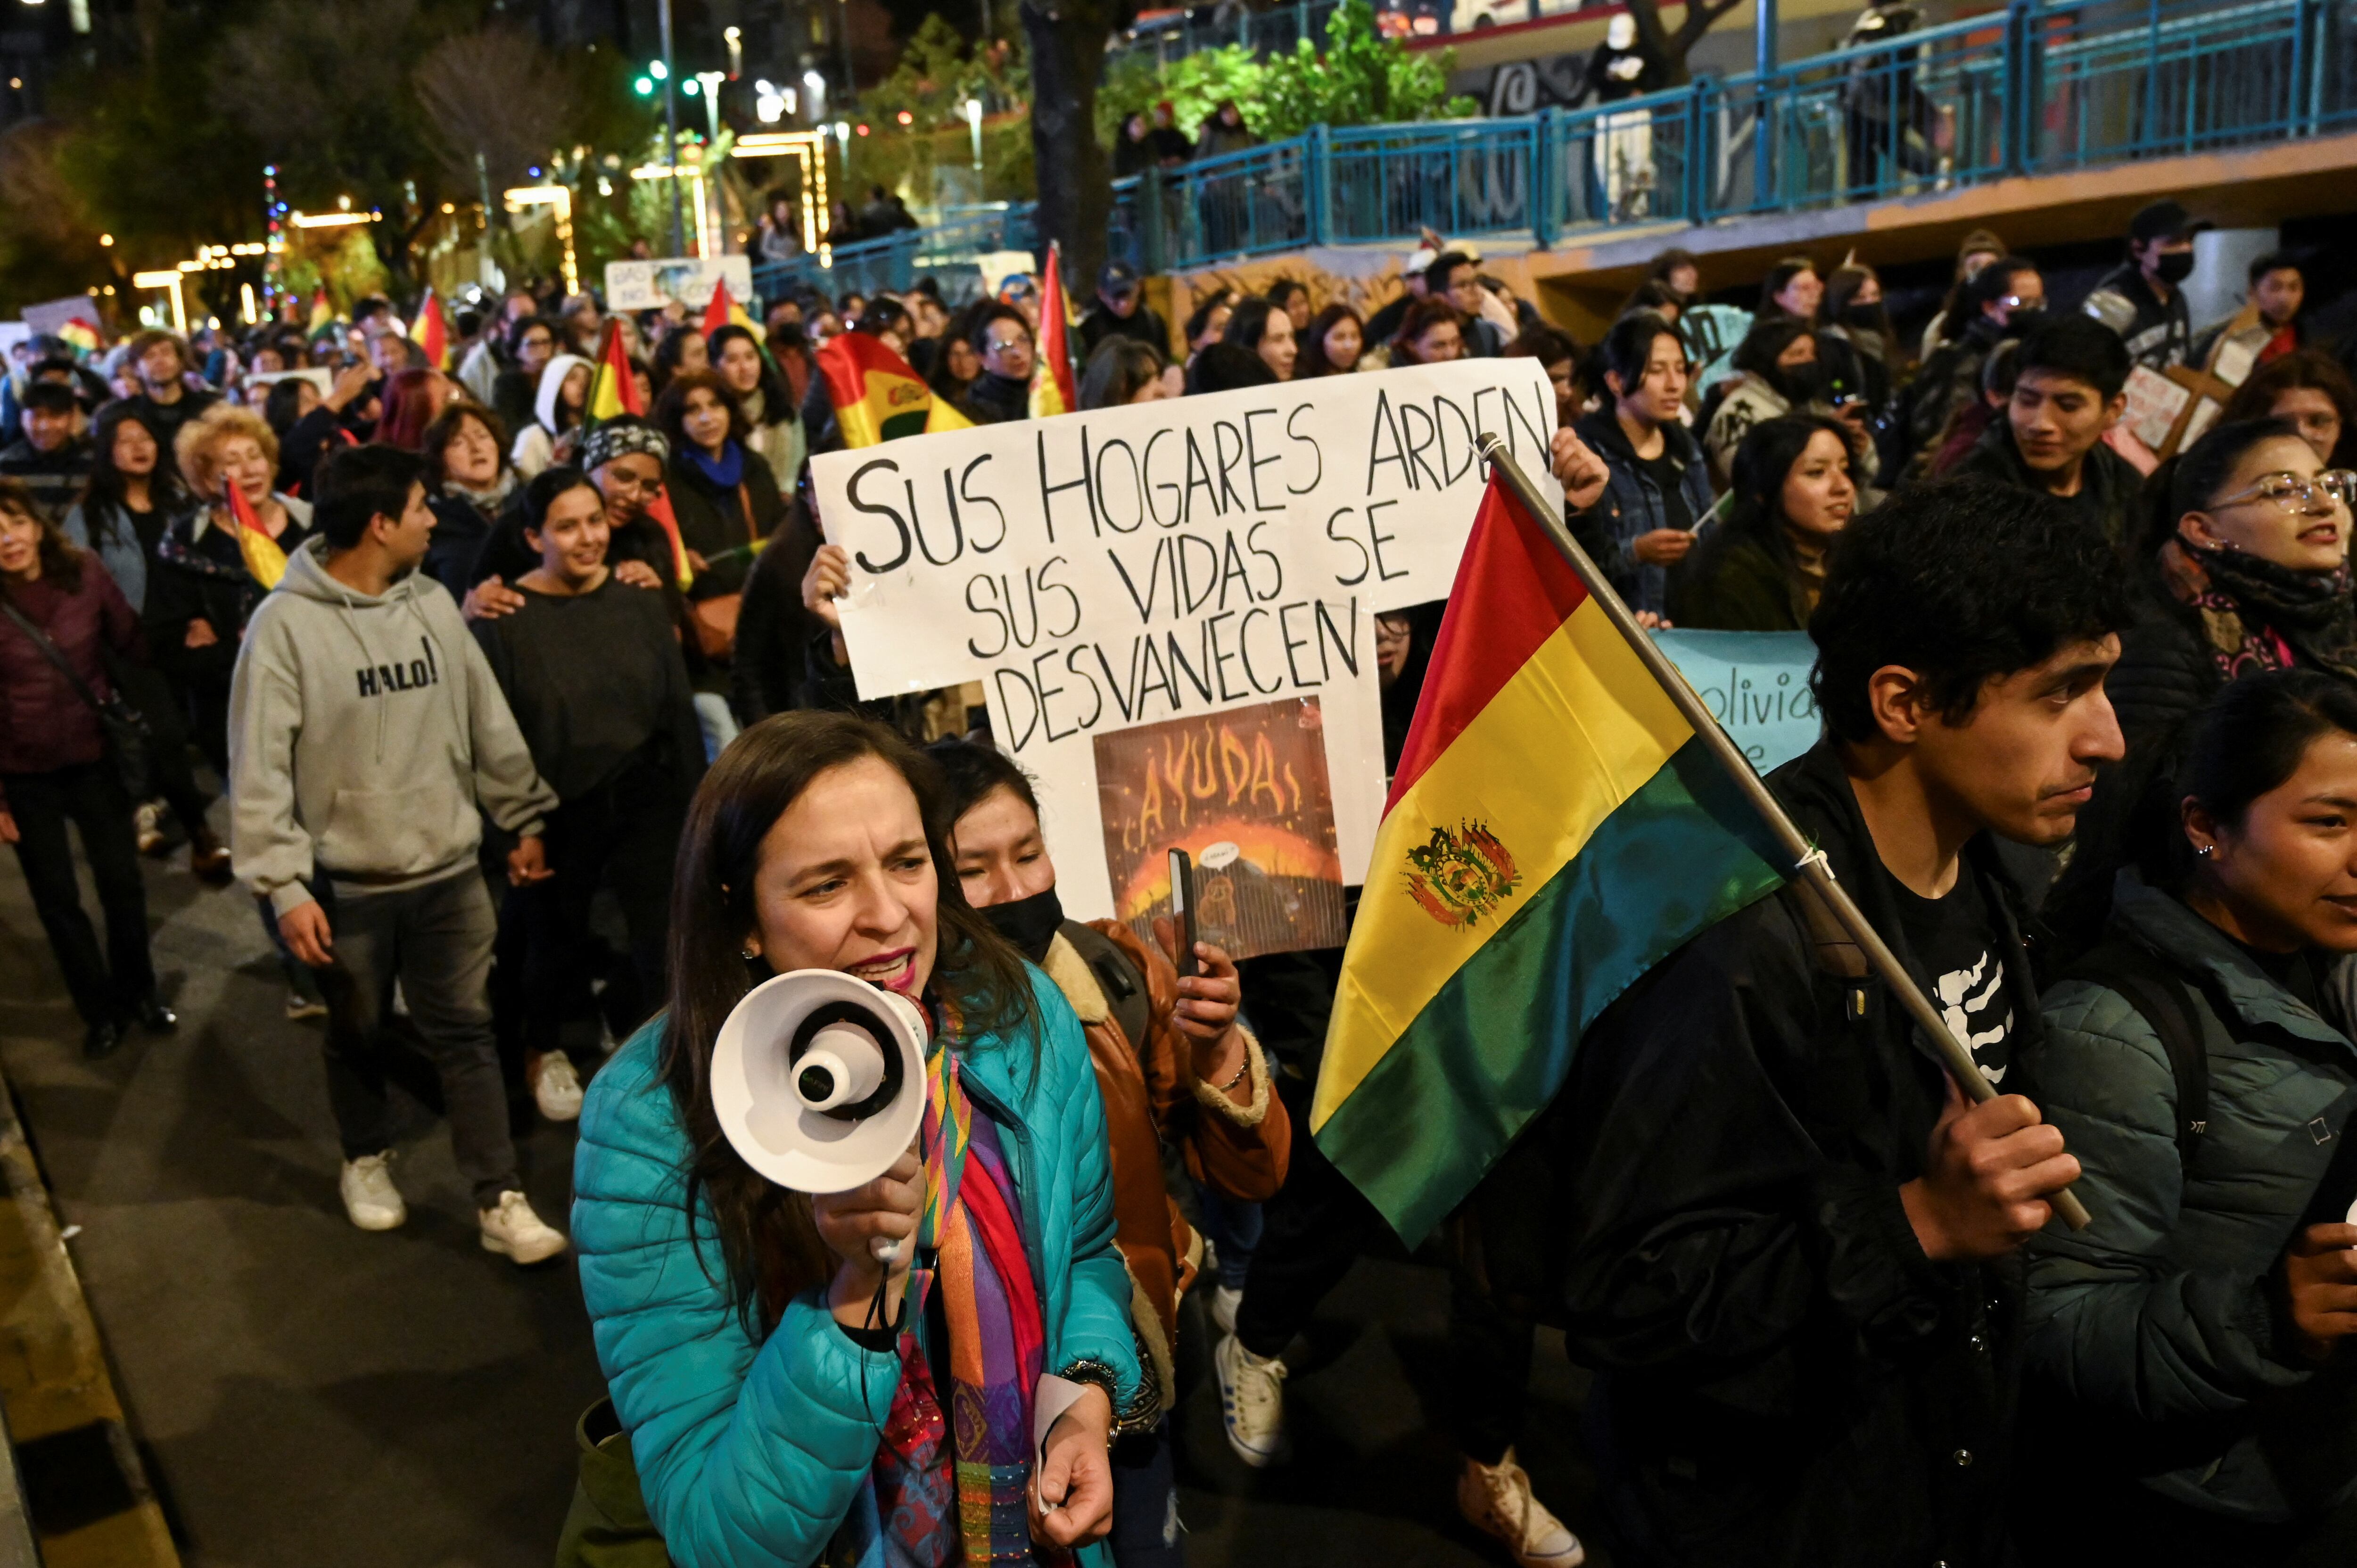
2176	266
791	335
1030	924
1801	383
1865	317
2023	318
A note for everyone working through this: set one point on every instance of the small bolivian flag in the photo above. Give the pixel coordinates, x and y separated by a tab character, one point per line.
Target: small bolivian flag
322	313
434	333
723	310
612	392
876	394
1554	831
264	558
1053	388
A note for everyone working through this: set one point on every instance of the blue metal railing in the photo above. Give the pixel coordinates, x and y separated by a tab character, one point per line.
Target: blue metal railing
2040	87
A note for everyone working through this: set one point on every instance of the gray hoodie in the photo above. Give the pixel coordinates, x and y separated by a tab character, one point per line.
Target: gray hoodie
363	732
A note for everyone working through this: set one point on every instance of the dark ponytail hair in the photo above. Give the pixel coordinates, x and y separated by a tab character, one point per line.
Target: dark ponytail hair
2247	741
2197	475
769	1242
1628	347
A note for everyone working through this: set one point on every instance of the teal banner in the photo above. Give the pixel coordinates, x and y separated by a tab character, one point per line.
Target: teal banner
1754	682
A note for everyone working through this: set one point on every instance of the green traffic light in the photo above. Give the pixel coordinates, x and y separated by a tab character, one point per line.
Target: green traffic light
643	87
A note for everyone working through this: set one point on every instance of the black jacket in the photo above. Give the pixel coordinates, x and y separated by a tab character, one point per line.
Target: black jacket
998	400
1787	1378
2108	485
1145	324
2157	335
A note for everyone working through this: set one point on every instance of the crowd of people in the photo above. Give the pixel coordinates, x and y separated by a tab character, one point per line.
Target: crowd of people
2090	731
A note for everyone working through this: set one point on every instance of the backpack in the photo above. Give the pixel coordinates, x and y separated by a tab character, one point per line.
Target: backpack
2160	996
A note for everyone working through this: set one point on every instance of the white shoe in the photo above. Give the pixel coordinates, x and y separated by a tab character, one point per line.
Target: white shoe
146	827
1498	1498
513	1229
369	1197
1252	1403
557	1090
400	1001
1224	1303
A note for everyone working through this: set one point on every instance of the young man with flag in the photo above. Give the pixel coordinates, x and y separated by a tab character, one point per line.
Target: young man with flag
1789	1237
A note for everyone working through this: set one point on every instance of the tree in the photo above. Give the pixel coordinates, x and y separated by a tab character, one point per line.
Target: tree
1672	48
1067	41
1359	78
324	86
495	95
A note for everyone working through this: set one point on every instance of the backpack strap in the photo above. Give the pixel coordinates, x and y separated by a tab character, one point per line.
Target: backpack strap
1124	987
1837	952
2160	994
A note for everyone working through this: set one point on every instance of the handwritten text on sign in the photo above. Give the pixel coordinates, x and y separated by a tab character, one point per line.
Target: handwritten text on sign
1134	564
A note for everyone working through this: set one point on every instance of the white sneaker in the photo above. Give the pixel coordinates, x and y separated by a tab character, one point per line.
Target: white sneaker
514	1229
147	826
1498	1498
1224	1303
369	1197
557	1090
1252	1403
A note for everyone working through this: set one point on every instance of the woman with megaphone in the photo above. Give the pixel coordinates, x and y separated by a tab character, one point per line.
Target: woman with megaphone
787	1396
1174	1065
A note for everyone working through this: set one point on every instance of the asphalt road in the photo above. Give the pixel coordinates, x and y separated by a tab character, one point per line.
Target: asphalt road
307	1393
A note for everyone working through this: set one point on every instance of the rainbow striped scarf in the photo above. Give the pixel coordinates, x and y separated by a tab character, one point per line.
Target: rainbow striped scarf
972	1450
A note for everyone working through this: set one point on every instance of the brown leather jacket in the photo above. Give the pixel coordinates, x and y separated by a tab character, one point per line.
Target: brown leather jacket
1151	1097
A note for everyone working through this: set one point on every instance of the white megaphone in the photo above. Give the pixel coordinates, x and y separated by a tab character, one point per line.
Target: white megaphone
818	1080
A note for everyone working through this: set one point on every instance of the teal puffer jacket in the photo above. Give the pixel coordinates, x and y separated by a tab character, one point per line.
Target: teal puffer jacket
2160	1321
754	1450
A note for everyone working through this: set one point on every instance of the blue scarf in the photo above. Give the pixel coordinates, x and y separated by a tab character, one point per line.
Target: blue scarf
725	471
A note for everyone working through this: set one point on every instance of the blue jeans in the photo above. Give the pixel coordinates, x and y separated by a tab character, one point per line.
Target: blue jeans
1146	1502
1232	1227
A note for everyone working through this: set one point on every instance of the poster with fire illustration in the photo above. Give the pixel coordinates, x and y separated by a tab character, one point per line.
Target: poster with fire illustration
1244	792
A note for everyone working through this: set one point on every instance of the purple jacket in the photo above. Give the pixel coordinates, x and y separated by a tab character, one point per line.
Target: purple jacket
44	725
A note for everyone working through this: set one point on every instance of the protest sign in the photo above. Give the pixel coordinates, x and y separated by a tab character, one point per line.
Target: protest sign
1756	685
1171	560
683	280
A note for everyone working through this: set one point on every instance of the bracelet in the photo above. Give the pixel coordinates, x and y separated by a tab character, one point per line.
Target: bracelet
1243	1066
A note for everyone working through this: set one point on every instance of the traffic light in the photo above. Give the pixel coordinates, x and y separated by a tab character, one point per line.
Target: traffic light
644	87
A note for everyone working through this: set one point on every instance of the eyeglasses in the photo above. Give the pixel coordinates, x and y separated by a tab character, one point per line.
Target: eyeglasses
2306	498
1002	345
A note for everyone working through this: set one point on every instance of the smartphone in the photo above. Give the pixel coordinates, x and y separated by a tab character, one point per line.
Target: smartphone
1182	910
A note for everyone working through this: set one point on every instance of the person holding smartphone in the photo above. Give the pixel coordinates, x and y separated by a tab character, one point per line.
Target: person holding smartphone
1174	1065
1660	485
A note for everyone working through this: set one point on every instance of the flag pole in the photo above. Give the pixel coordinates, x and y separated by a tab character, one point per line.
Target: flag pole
1808	862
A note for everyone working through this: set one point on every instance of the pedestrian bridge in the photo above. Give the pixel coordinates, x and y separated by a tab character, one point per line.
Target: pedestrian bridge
2040	107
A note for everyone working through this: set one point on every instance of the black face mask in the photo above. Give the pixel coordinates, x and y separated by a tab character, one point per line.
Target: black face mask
2175	266
1030	924
791	335
1865	317
1801	383
2023	318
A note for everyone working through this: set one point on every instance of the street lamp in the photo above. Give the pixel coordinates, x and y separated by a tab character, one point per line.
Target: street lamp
660	71
712	80
817	85
736	52
974	120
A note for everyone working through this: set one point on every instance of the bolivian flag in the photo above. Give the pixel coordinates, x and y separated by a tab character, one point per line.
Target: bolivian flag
432	333
262	555
1052	390
1554	831
876	394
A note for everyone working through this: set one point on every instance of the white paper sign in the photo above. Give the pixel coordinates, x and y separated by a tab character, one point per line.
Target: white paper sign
1168	560
650	285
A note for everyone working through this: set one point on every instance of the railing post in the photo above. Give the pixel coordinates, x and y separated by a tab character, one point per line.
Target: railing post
2305	46
1153	241
1545	216
2013	107
1763	155
1696	182
1318	183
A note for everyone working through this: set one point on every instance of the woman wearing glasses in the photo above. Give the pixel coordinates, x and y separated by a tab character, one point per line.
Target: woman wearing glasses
2244	568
